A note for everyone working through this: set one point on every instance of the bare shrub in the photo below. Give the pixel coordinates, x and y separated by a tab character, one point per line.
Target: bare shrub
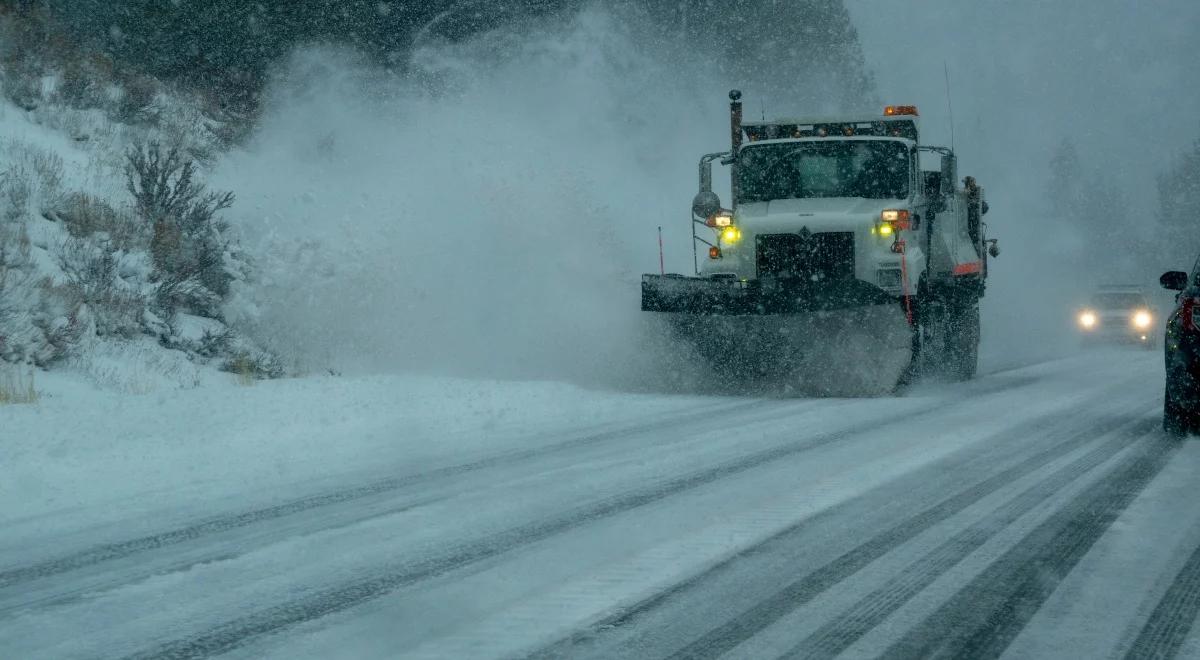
137	100
47	166
32	174
136	367
163	183
93	280
213	344
250	367
17	386
16	187
226	123
23	83
176	292
187	241
15	288
27	47
85	215
79	86
64	323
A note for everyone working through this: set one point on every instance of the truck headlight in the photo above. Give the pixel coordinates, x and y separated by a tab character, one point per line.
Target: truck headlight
1087	320
897	218
1142	319
720	219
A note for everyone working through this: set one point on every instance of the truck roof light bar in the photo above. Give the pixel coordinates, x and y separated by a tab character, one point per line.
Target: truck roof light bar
894	110
901	126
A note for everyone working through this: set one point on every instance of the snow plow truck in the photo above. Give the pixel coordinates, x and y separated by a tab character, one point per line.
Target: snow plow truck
840	267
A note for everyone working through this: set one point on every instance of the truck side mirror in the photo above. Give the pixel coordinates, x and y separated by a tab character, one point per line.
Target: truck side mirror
949	173
1174	280
705	204
933	192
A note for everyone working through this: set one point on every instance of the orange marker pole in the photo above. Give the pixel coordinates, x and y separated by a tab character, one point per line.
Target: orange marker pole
908	313
662	268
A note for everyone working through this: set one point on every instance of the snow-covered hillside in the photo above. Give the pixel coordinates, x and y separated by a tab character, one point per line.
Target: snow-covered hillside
92	269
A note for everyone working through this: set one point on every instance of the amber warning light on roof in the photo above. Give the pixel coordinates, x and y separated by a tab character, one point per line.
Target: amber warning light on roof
895	110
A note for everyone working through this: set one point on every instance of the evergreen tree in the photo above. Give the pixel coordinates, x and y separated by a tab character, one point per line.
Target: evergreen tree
801	53
1092	206
1065	183
1178	201
804	51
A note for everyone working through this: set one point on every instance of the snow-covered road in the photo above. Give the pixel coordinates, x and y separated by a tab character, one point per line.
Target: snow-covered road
1035	512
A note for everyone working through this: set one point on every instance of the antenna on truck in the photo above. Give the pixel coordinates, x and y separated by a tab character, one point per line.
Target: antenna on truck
949	107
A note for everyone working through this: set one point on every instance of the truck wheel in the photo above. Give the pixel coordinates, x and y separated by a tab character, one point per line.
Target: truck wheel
929	340
962	346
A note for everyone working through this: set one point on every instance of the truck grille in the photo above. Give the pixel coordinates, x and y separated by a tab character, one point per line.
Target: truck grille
828	255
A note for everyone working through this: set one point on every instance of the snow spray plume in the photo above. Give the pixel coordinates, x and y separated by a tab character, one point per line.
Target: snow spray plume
489	211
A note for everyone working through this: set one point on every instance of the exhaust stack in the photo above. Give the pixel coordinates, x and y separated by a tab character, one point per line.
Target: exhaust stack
735	141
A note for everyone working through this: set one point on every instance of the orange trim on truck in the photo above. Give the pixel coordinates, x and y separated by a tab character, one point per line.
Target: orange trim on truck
969	268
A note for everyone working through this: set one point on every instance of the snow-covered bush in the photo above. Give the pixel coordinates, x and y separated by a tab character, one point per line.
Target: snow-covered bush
136	104
37	323
254	365
138	366
82	83
93	279
31	178
23	85
111	252
86	216
84	258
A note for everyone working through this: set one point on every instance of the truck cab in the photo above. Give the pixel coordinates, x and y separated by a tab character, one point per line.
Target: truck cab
836	244
829	199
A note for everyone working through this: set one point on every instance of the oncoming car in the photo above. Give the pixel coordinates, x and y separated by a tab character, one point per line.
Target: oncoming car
1118	314
1181	405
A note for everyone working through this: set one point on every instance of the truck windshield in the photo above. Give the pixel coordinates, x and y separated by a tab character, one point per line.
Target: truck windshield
838	168
1118	301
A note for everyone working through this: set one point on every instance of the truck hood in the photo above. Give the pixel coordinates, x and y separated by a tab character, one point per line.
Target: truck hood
820	206
817	214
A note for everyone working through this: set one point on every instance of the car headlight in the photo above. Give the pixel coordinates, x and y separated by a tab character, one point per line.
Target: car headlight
1087	319
1142	319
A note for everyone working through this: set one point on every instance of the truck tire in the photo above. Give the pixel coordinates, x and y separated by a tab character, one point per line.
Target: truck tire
963	343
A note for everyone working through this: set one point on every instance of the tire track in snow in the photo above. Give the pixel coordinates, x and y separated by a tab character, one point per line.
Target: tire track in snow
233	634
688	417
802	591
725	637
147	569
839	634
983	617
1171	621
121	549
